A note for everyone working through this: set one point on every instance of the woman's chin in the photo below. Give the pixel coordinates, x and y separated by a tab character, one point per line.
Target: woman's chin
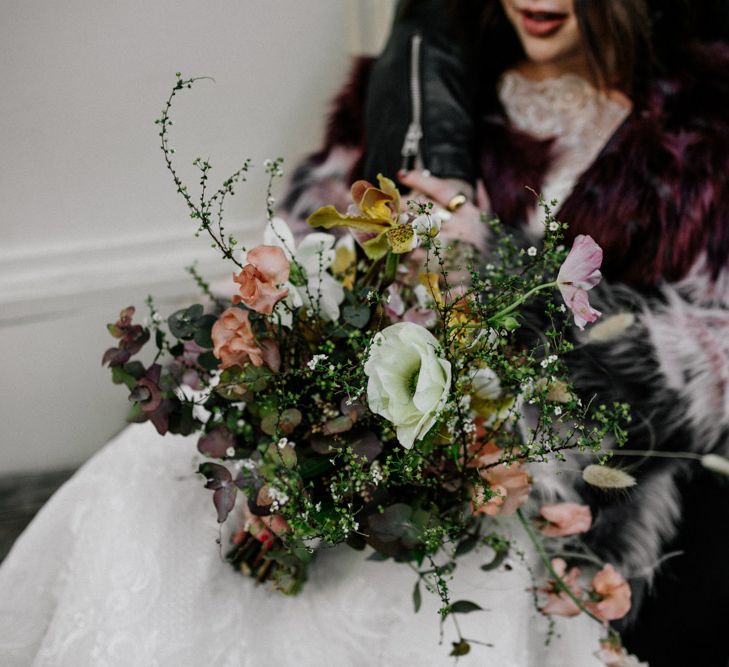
543	60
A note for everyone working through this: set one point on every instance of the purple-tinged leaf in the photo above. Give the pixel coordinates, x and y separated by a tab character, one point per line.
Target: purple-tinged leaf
161	417
126	315
220	481
338	425
352	409
135	338
151	399
216	443
224	500
367	445
154	372
321	444
289	420
215	474
115	357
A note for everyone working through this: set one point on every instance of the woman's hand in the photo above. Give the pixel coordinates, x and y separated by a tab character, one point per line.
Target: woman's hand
465	222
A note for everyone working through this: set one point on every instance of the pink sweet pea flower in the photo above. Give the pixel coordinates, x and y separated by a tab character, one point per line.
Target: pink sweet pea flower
559	603
565	519
610	594
267	268
579	273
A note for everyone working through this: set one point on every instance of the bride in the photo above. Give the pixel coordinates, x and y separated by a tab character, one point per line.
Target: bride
122	566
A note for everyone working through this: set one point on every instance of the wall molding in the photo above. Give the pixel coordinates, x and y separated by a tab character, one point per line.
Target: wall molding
45	282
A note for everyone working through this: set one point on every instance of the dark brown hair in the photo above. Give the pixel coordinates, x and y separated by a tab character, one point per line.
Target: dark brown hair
617	36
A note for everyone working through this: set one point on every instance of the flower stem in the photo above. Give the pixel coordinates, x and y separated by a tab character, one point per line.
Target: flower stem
544	556
391	263
505	311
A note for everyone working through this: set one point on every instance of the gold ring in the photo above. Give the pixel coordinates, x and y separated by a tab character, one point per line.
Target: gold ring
456	202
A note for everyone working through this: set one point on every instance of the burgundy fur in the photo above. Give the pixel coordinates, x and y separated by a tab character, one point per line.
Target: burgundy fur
345	123
657	196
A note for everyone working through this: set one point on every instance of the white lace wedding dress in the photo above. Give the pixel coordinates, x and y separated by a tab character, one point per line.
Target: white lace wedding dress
121	567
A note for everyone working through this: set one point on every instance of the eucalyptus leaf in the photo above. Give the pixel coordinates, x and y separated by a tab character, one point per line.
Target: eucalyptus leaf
203	331
269	424
356	315
208	361
232	385
393	524
183	323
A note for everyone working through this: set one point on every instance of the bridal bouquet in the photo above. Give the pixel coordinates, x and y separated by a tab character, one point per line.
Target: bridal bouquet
375	388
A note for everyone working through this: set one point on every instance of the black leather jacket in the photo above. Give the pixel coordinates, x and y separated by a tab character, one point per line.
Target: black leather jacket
420	108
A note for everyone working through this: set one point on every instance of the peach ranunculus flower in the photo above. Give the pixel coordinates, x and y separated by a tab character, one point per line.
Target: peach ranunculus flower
267	268
510	484
565	519
235	345
610	594
559	603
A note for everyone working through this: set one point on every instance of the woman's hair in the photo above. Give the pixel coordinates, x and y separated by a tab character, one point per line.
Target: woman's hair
627	41
617	36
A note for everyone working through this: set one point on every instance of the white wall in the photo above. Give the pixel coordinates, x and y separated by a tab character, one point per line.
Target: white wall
89	220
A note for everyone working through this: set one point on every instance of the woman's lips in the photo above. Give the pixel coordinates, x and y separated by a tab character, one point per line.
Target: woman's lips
542	24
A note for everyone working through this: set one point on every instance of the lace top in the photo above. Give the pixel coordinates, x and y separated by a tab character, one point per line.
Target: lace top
568	109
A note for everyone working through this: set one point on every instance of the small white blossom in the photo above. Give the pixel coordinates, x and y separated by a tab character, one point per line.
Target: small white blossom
376	472
553	226
230	451
557	411
532	251
314	361
278	496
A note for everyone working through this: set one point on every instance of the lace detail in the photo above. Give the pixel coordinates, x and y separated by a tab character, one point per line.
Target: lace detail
569	110
121	568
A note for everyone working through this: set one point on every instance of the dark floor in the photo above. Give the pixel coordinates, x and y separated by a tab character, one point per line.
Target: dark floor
21	496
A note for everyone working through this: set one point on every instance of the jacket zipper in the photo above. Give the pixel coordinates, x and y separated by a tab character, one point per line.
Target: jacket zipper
411	153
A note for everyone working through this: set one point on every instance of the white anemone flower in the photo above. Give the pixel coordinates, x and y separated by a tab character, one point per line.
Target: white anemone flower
310	285
409	382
